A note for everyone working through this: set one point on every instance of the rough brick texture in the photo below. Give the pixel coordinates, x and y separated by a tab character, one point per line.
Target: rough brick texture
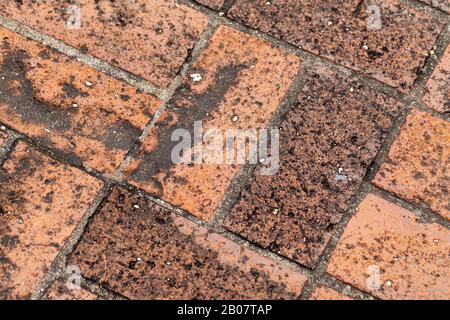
417	166
327	142
437	90
41	202
64	105
242	81
142	251
150	38
387	253
60	291
3	137
338	30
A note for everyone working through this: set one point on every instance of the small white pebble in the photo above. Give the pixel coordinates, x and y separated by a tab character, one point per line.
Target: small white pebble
196	77
365	47
389	283
88	84
136	206
235	118
432	52
351	89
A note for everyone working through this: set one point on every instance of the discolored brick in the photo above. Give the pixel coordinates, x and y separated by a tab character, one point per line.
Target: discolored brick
213	4
416	168
392	52
444	5
149	38
386	252
41	202
79	113
142	251
437	90
325	293
236	83
60	291
328	141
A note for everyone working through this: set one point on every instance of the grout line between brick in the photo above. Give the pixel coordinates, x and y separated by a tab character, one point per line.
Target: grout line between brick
58	267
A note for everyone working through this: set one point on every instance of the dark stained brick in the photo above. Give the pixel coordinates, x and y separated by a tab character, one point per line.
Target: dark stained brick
327	143
150	38
338	30
41	203
76	111
142	251
240	77
3	137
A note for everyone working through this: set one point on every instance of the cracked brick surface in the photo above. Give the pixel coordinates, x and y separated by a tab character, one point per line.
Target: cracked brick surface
437	90
327	143
149	38
41	202
392	52
74	110
417	166
142	251
243	80
385	251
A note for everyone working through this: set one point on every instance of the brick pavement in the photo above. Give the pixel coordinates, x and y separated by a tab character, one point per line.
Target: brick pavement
90	195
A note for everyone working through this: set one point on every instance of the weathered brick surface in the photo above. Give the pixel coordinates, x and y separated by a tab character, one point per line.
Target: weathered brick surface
416	168
150	38
243	81
3	137
338	30
387	253
140	250
327	142
325	293
437	90
444	5
60	291
66	106
213	4
41	202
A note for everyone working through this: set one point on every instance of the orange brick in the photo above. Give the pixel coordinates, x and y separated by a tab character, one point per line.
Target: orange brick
325	293
416	168
41	204
243	80
437	91
387	253
150	38
64	105
60	291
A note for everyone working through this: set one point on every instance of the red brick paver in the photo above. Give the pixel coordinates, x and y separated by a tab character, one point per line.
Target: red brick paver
327	142
386	252
243	80
325	293
82	114
437	91
60	291
150	38
143	251
41	202
338	30
417	166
